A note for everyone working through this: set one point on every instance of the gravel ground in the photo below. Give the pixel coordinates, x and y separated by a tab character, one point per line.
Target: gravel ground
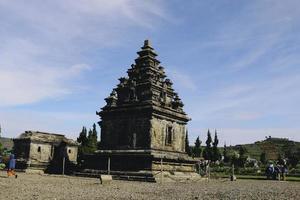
28	186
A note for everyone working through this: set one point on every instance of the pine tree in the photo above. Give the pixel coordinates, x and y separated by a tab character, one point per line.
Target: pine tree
197	148
198	142
216	140
82	139
92	142
207	153
95	134
215	151
88	142
187	145
209	140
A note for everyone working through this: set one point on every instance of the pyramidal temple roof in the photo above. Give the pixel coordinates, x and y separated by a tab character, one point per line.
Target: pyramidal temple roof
146	83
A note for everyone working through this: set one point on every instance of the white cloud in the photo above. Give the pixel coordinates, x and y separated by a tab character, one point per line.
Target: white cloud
29	86
250	58
14	123
261	103
42	42
256	32
182	79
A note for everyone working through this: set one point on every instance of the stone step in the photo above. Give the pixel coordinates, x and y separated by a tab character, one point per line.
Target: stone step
135	178
129	176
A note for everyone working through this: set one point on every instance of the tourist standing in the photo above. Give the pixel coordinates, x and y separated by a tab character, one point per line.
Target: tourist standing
284	171
11	166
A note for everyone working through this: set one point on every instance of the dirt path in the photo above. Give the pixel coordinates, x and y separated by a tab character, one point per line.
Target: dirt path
58	187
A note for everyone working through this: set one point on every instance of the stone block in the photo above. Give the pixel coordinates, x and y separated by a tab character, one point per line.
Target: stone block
233	178
105	179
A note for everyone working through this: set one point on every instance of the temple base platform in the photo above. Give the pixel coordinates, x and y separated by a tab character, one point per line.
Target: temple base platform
144	165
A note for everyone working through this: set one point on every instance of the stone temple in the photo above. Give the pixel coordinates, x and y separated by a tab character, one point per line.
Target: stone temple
143	125
43	152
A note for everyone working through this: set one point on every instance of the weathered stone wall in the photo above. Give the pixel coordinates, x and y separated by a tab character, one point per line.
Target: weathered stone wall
125	133
45	153
173	166
158	133
72	153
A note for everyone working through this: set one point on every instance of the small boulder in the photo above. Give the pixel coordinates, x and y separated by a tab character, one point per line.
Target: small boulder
105	179
233	178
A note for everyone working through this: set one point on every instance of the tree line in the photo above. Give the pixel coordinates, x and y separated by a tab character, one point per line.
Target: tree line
88	143
212	153
238	156
209	152
88	140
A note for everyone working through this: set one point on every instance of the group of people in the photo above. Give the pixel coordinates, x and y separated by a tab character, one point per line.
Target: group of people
11	166
277	171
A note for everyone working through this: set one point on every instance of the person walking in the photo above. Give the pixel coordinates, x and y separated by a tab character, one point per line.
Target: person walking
284	171
12	166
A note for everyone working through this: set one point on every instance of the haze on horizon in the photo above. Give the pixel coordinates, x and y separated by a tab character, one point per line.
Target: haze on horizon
235	64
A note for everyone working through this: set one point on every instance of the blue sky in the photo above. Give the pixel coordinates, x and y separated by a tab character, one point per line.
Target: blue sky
235	64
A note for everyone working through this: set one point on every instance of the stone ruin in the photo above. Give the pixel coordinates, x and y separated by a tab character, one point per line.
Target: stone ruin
143	125
40	152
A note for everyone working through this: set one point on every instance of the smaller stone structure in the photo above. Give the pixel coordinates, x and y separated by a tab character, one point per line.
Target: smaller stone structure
44	151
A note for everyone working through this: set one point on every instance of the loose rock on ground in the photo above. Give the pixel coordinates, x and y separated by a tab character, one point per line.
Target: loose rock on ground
33	186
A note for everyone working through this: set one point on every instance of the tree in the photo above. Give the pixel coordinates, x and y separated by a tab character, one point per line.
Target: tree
293	160
95	134
225	154
197	149
207	153
92	142
293	156
82	139
216	155
242	156
88	142
187	145
99	145
1	149
235	159
280	159
263	158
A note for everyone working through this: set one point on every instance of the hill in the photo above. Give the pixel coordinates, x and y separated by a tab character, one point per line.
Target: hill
273	147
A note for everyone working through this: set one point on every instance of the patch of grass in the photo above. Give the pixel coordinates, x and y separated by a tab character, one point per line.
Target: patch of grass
288	178
292	178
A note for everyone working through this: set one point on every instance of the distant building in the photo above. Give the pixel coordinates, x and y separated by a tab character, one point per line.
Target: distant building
44	151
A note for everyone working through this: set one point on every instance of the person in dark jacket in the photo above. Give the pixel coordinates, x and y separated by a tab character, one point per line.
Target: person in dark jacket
12	166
